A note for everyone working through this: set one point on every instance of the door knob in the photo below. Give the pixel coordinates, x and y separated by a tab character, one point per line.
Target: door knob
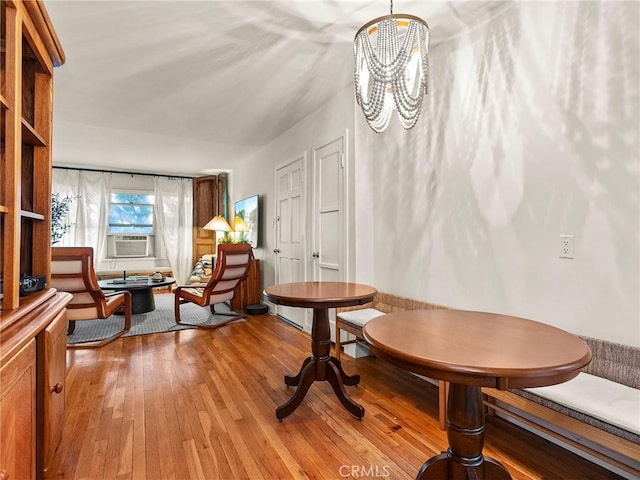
276	250
315	254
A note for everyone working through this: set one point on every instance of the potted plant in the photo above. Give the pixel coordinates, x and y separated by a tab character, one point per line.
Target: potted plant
59	210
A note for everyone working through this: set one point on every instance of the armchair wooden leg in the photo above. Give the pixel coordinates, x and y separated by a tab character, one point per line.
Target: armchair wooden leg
128	312
126	327
232	315
176	307
229	314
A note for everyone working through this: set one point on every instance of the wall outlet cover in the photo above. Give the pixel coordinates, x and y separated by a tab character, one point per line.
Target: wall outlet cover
566	246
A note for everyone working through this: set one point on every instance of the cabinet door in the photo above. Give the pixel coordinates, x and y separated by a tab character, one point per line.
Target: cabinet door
18	414
52	362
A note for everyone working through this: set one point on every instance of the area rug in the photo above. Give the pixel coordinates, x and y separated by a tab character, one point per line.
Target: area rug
160	320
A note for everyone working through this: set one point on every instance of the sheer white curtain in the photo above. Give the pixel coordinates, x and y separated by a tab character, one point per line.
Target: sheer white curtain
88	212
92	220
174	222
65	183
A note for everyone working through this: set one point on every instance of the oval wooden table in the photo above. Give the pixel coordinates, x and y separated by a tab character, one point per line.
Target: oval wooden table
320	366
473	350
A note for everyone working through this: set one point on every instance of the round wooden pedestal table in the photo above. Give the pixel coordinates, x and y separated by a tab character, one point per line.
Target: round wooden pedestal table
473	350
320	366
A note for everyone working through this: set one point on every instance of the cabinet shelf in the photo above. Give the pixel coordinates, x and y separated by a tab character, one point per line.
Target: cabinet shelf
3	102
4	209
31	215
30	136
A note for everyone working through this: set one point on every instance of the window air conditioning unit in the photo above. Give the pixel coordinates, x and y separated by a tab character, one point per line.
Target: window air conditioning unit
131	246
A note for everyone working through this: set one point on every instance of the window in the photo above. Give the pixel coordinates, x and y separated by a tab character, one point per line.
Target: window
131	213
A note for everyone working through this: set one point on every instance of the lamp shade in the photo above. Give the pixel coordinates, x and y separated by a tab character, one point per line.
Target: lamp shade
239	225
218	223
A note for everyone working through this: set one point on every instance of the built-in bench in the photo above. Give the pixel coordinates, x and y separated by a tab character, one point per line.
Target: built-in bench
598	412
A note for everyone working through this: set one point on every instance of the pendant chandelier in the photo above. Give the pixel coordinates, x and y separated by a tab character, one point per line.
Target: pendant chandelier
391	69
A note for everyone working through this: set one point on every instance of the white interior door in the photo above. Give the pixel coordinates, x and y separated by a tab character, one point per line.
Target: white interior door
289	251
329	239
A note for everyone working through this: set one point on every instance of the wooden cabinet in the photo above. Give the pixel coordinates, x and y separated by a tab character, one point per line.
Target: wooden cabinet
32	330
32	364
248	292
51	346
17	414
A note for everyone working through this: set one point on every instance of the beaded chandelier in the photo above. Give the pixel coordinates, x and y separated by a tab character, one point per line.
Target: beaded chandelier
391	69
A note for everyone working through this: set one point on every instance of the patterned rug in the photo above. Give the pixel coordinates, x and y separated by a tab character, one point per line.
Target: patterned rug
160	320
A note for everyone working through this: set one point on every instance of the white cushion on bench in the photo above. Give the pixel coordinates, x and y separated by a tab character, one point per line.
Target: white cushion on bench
598	397
360	317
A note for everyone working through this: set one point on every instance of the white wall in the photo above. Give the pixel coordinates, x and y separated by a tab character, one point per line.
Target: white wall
531	131
256	175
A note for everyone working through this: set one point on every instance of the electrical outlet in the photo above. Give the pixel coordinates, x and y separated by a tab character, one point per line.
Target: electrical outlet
566	246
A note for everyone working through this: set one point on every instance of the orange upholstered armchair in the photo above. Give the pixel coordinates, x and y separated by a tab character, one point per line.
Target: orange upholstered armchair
72	271
232	267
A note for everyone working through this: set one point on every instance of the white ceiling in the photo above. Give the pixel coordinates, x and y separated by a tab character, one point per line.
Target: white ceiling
230	72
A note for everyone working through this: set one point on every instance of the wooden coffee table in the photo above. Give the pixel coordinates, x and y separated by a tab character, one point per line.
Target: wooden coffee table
320	366
473	350
141	291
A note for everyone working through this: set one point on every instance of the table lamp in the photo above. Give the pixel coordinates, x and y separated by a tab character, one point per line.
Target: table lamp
218	224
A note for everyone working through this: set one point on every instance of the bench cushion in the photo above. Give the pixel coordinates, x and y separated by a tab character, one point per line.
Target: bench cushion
598	397
360	317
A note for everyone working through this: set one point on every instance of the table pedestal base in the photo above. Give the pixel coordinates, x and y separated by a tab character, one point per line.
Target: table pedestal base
320	366
142	301
465	431
443	467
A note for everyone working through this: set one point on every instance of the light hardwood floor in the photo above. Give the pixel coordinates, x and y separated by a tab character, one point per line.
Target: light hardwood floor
201	404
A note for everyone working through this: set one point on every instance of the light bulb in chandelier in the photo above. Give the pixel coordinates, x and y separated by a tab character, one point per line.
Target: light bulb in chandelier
391	69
